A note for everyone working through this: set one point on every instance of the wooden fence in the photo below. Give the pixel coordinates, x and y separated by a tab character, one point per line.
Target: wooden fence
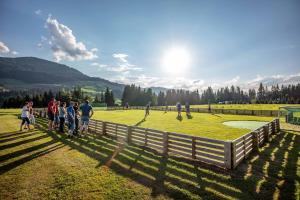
272	113
225	154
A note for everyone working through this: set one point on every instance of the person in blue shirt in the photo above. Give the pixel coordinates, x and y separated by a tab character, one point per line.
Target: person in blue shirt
71	119
178	109
86	113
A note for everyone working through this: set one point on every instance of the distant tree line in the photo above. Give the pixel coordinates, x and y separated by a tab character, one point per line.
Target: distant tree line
16	99
136	96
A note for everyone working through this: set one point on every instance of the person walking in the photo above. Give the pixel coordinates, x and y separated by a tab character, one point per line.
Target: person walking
147	110
86	113
25	117
187	109
178	105
62	116
71	119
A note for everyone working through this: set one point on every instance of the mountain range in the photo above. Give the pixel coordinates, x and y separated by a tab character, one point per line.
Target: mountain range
31	73
25	73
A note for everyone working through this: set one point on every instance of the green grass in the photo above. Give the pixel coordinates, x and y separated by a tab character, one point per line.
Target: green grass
201	124
46	165
245	106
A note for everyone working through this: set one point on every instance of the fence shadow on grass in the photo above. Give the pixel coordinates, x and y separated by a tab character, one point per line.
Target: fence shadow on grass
8	161
271	173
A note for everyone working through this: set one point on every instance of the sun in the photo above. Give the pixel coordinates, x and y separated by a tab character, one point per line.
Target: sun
176	60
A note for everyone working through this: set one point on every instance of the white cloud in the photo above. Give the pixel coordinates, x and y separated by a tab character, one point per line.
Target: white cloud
121	56
98	65
233	81
38	12
3	48
121	66
64	44
188	84
42	42
148	81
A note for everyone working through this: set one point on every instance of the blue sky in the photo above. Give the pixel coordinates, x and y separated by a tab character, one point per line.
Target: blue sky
227	41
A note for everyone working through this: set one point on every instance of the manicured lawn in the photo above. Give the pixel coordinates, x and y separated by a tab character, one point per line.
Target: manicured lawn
245	106
46	165
201	124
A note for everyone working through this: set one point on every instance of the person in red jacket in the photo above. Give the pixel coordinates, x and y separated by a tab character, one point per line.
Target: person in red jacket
51	112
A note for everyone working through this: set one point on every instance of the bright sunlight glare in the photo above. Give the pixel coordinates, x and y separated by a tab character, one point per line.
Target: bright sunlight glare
176	60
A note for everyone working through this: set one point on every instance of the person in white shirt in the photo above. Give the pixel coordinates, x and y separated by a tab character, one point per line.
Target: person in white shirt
25	116
31	113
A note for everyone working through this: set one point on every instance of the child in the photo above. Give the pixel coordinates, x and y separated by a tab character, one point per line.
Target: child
24	117
31	114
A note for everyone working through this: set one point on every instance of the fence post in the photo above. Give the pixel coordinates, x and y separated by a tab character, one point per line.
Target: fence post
266	133
104	128
233	155
255	141
194	148
278	125
146	137
273	127
165	143
228	157
95	127
129	134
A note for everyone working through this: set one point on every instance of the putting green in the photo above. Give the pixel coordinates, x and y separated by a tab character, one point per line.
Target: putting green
252	125
199	124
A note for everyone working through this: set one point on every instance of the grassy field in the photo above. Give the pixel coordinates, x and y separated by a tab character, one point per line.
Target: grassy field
45	165
201	124
245	106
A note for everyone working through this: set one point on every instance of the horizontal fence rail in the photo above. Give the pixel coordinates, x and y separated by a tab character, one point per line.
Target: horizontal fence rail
225	154
271	113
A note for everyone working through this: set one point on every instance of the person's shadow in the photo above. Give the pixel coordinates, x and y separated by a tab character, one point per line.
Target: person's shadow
189	116
179	118
140	122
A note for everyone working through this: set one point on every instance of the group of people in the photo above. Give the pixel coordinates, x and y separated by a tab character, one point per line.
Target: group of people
27	115
59	114
178	106
187	109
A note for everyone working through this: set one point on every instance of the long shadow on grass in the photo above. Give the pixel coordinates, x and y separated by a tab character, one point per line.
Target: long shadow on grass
140	122
20	136
17	157
265	175
30	157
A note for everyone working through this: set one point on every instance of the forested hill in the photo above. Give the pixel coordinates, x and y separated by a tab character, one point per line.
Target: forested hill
35	70
35	73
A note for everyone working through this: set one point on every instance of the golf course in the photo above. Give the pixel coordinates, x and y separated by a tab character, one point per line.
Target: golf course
48	165
199	124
